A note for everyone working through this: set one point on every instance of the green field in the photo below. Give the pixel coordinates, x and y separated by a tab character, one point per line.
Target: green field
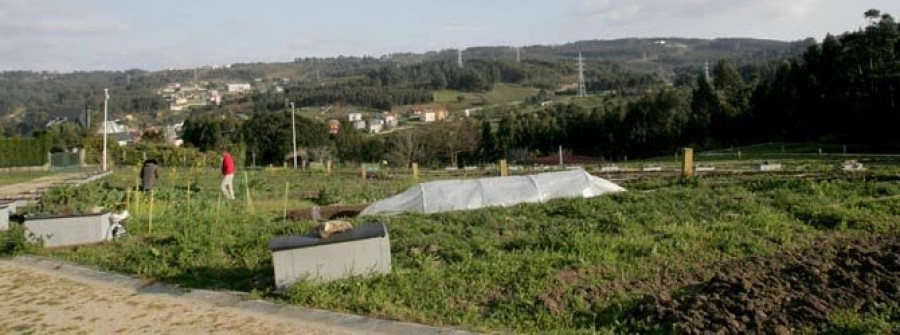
501	94
528	268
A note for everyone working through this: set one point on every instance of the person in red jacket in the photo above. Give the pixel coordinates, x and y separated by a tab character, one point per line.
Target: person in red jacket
228	174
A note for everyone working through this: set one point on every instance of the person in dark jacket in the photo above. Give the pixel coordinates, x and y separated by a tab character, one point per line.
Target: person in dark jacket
149	174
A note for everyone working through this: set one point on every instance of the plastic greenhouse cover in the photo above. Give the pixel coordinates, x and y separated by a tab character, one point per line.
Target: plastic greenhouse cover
467	194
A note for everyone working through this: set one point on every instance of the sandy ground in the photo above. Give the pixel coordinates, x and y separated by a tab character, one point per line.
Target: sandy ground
42	302
32	186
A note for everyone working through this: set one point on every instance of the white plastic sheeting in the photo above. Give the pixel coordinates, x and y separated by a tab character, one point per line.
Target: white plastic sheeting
466	194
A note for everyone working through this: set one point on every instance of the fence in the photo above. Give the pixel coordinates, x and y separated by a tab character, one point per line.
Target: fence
65	161
23	152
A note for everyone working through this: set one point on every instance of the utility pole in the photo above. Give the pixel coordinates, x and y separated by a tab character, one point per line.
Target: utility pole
459	58
706	70
105	128
582	88
294	132
518	55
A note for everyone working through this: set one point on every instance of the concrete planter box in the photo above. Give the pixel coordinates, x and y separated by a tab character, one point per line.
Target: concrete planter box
61	231
11	205
769	167
362	251
609	169
4	216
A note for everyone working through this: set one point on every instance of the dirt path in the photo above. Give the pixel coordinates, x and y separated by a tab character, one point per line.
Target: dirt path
43	302
32	186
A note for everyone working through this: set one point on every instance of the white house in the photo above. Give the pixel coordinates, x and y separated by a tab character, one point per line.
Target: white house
359	124
239	88
375	125
390	120
429	116
355	116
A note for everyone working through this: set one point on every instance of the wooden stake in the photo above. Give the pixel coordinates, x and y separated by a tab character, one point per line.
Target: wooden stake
284	212
218	202
415	168
328	167
188	188
247	190
504	169
687	163
362	171
150	217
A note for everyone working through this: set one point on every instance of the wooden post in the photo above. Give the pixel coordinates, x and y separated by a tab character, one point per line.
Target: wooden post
284	212
150	215
362	170
739	154
504	169
328	167
820	152
415	171
687	162
247	190
187	183
218	203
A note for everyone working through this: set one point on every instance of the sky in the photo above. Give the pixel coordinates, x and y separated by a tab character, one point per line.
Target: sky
75	35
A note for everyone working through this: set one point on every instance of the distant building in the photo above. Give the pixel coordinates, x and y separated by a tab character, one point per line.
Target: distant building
118	133
113	127
239	88
375	125
76	115
215	98
334	127
359	125
354	116
390	120
429	113
172	134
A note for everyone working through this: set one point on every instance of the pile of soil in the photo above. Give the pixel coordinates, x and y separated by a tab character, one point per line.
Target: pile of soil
782	293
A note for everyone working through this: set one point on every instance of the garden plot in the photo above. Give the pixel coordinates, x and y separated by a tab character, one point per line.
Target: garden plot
567	265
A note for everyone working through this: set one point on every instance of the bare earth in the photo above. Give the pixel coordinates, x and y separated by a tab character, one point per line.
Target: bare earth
32	186
43	302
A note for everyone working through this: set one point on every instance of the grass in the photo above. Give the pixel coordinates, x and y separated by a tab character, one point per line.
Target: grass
500	94
489	269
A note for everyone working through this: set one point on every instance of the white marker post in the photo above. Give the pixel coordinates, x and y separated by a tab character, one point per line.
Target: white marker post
105	110
294	132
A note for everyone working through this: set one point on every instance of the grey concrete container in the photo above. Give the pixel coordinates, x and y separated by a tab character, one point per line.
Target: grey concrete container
362	251
4	216
61	231
11	205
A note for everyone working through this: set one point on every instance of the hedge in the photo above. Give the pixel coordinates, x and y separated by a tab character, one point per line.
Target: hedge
20	152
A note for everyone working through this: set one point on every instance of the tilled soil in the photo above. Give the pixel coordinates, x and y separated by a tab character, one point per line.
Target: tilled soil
781	293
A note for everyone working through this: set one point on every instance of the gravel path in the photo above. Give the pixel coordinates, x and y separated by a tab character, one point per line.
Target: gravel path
43	302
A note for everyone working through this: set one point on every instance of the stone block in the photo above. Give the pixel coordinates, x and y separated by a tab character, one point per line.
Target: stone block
61	231
4	217
365	250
